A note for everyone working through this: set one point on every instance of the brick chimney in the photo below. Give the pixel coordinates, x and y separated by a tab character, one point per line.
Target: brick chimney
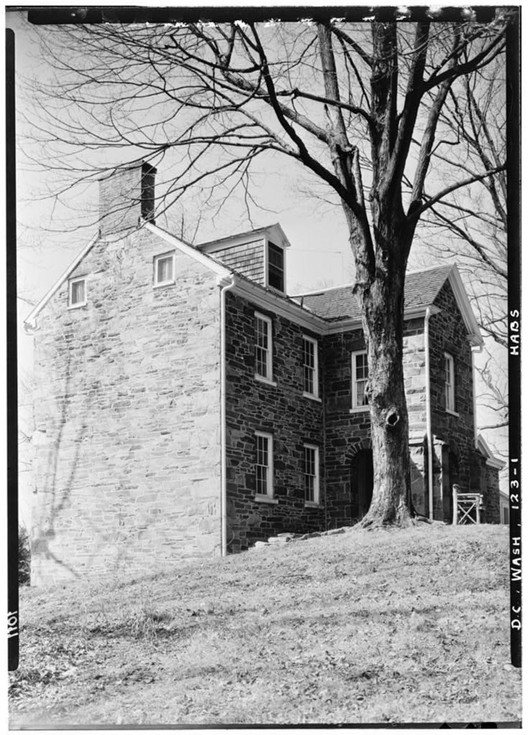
125	196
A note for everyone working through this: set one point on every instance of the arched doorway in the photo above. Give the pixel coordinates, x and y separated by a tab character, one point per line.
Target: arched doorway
361	482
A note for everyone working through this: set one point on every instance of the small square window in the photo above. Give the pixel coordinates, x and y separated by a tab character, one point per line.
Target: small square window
164	269
77	292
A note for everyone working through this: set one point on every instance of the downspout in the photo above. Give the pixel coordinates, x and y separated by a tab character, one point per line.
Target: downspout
474	348
225	283
428	421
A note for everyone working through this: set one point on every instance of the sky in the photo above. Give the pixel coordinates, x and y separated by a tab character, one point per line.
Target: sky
319	255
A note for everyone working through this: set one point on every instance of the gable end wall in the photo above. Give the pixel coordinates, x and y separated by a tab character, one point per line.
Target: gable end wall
127	412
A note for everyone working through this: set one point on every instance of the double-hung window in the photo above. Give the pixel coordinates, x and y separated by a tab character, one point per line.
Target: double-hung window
310	367
449	367
164	269
77	292
263	347
311	474
359	379
264	465
275	267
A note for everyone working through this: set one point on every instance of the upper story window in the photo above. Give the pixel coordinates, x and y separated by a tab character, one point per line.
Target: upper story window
310	367
77	292
264	464
275	267
311	474
449	367
164	269
263	347
359	379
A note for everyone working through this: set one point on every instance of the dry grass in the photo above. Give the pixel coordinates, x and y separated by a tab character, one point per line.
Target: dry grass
363	627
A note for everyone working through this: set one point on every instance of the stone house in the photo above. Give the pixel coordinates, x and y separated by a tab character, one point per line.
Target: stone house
187	406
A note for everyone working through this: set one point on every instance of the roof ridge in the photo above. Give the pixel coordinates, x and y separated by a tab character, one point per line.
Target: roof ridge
200	245
322	290
318	291
430	268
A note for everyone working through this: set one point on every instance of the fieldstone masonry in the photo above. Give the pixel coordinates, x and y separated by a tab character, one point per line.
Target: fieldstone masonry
128	415
128	466
278	408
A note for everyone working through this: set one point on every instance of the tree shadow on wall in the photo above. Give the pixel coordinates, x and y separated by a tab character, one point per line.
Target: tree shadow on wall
56	493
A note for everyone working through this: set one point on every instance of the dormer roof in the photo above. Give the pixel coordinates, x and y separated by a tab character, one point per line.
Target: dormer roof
274	232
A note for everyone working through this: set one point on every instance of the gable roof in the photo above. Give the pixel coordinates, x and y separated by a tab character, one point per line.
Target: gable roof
421	289
29	321
336	306
491	459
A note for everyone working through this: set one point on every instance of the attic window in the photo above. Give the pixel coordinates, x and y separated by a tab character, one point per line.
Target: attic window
77	292
275	267
164	269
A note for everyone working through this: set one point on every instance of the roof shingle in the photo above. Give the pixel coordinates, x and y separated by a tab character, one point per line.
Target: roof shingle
421	289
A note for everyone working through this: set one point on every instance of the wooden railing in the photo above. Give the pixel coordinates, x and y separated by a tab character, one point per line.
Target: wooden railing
464	505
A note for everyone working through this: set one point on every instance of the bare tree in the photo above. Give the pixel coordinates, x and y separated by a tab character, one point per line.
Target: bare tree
473	226
356	106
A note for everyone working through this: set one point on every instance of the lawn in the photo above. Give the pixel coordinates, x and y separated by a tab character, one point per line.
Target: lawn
359	627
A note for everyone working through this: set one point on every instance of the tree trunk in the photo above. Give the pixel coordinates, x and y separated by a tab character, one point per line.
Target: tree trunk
382	303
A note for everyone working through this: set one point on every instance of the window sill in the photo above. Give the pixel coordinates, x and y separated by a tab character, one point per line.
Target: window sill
452	413
312	397
267	381
163	284
265	499
358	409
77	306
311	504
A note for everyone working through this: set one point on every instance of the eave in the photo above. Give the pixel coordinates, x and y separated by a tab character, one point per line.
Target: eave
30	320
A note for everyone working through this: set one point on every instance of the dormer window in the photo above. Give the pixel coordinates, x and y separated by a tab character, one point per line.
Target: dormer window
77	292
164	269
275	267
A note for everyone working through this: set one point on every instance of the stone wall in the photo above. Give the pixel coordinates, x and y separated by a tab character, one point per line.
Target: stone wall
347	432
127	415
279	409
455	432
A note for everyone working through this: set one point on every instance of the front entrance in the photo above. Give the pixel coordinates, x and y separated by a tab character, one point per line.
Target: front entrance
361	482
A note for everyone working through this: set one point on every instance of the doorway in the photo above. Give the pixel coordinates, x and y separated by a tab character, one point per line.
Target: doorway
361	482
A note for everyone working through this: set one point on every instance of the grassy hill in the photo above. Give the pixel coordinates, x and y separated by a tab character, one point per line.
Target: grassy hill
359	627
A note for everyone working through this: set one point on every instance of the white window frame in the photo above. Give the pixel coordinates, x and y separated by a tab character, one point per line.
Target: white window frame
268	496
355	406
316	499
449	387
71	282
268	378
266	266
164	256
315	368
